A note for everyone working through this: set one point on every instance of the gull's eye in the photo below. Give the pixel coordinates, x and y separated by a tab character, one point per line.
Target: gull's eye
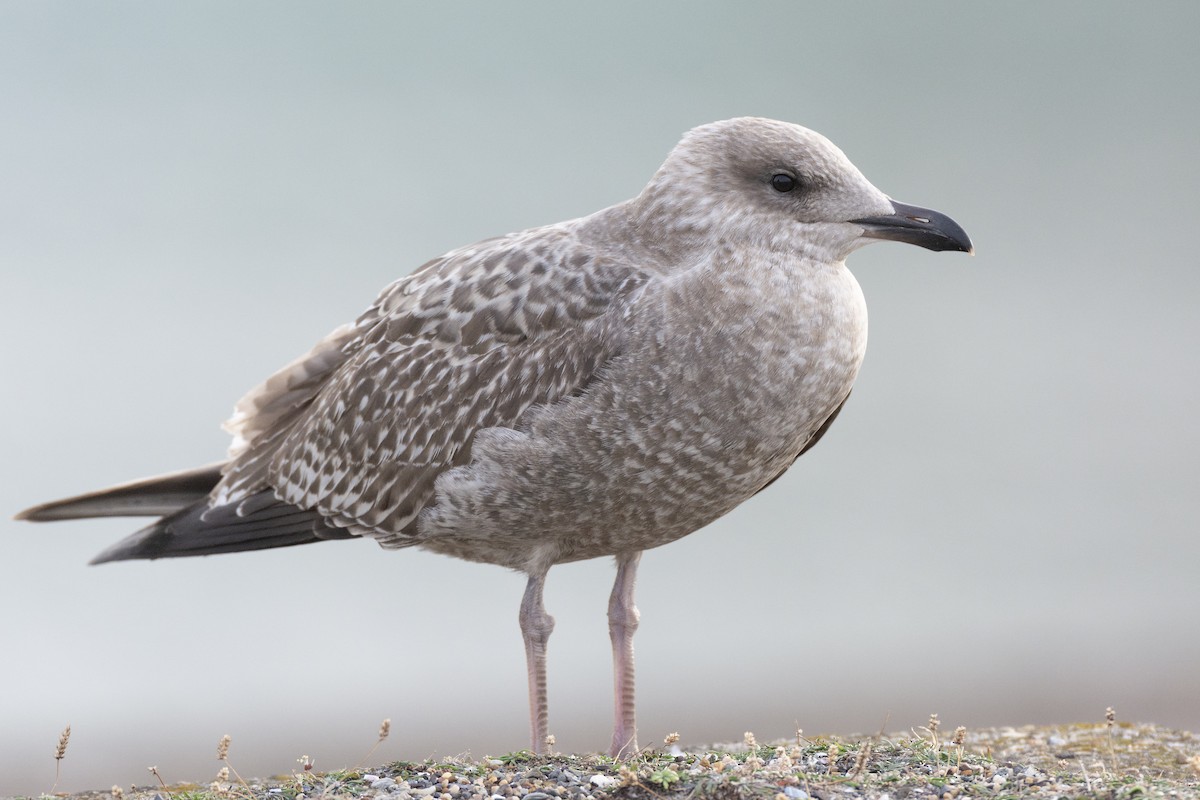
782	182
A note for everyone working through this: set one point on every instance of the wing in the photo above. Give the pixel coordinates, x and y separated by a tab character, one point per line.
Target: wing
812	441
361	427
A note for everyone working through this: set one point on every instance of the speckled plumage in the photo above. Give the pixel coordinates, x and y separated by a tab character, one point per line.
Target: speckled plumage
576	390
596	387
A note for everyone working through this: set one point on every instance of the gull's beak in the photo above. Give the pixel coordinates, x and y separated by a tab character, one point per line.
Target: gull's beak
923	227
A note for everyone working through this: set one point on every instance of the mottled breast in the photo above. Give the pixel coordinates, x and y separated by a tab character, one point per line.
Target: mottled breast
727	370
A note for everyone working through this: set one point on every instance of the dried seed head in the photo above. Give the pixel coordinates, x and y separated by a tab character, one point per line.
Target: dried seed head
960	736
223	748
832	755
154	772
860	763
63	738
223	774
117	792
549	741
749	739
1110	716
671	738
934	722
385	728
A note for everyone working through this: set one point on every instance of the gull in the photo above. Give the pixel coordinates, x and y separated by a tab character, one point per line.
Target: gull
596	387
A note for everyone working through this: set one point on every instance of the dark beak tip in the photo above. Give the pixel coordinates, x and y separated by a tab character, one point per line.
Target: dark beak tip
923	227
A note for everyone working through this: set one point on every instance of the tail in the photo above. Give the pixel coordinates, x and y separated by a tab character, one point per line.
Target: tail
189	527
149	497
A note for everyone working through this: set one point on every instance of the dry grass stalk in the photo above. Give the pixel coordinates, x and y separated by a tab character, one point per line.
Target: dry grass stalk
154	772
753	762
223	756
796	751
1087	779
385	728
960	738
1110	721
60	753
860	763
932	726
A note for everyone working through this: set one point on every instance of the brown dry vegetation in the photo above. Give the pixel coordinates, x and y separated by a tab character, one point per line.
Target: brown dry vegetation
1103	760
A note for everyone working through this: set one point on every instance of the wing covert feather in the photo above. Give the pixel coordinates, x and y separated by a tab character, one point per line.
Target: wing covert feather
361	427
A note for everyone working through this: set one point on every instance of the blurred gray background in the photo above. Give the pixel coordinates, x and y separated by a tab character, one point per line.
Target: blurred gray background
1001	528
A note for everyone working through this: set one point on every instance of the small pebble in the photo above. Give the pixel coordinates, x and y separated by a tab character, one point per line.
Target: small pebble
603	781
383	783
795	793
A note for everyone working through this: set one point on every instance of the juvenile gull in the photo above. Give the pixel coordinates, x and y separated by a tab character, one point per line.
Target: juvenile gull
591	388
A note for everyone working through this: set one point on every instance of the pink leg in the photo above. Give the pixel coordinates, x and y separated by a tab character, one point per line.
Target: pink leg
536	626
622	622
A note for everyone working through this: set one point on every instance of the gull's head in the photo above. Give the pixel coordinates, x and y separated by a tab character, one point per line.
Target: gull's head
783	186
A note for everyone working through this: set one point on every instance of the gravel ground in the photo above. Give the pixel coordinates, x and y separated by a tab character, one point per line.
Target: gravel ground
1104	761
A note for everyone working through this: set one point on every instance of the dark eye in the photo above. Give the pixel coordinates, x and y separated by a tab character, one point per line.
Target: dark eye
782	182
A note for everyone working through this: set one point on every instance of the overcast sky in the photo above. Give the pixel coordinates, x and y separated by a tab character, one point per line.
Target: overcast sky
1000	528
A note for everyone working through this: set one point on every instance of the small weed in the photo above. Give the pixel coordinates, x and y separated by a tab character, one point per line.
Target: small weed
516	757
664	777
